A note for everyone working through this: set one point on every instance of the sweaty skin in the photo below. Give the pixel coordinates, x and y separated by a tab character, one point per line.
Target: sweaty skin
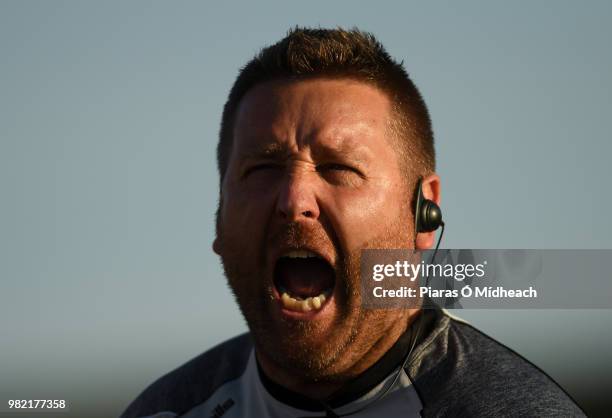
313	167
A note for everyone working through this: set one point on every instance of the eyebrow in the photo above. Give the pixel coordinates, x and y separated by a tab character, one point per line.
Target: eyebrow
267	151
275	151
345	147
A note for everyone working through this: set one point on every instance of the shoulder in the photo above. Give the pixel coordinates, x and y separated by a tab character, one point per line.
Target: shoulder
474	375
195	381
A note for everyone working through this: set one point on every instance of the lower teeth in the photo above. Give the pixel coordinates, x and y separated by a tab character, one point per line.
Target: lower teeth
303	305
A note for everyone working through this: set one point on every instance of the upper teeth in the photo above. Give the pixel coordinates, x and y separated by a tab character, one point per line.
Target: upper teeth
300	254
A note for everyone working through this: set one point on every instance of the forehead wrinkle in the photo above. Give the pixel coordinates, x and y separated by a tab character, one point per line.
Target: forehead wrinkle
342	141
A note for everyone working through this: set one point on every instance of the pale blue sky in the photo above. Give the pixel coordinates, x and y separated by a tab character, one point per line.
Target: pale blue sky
109	114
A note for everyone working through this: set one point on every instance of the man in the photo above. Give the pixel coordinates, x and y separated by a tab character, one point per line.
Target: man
324	144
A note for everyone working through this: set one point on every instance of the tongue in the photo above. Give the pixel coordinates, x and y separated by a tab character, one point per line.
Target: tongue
304	277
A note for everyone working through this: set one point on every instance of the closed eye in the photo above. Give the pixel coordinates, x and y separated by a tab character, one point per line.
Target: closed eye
338	167
261	167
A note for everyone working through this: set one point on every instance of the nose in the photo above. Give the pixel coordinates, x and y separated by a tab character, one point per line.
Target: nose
297	199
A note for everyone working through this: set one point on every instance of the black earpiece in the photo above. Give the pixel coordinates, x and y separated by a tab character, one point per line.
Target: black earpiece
427	215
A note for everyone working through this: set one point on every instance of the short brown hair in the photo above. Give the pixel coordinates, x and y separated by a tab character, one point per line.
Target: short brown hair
309	53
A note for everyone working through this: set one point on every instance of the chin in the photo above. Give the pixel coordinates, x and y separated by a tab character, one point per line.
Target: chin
301	347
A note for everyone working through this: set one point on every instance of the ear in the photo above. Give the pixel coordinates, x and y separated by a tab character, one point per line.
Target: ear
431	190
216	246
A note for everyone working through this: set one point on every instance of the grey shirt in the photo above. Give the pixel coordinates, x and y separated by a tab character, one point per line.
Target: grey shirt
454	370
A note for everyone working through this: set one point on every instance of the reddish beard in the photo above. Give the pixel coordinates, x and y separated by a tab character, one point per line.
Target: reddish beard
310	349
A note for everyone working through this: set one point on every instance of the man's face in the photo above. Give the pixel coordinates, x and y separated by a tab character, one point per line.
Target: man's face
312	179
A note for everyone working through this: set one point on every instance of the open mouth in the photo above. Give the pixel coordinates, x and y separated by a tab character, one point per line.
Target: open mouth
304	281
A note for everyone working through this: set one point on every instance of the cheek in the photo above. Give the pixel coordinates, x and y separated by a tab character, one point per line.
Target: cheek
366	216
245	213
